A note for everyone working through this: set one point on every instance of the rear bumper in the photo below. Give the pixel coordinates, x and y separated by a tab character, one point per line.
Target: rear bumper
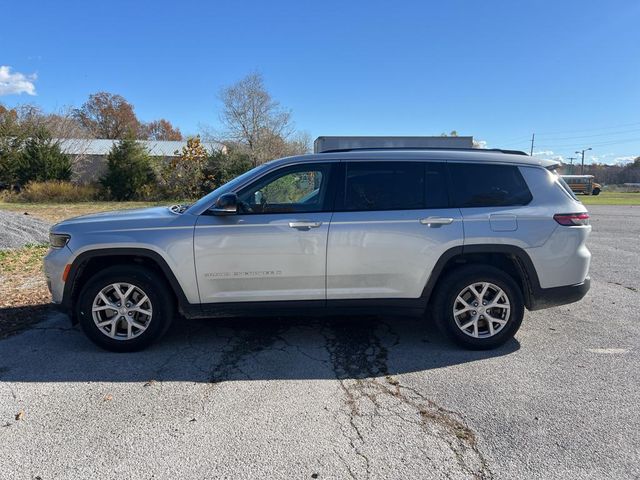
552	297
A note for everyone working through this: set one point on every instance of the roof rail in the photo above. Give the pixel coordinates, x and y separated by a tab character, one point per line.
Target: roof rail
455	149
327	144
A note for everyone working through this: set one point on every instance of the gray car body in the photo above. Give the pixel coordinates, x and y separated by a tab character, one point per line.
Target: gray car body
350	255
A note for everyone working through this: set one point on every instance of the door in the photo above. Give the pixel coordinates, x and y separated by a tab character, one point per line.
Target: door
392	223
274	249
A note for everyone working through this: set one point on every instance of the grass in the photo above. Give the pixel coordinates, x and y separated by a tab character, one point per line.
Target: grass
25	297
26	260
55	212
611	198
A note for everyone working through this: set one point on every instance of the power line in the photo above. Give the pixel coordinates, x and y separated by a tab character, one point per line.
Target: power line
591	129
594	134
600	144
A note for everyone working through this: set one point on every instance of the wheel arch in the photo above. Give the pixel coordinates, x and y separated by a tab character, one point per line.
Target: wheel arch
511	259
90	262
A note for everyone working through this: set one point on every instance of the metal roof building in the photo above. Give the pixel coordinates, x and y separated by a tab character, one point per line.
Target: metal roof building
98	146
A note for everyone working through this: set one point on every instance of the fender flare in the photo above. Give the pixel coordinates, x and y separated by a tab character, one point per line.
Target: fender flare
529	277
80	261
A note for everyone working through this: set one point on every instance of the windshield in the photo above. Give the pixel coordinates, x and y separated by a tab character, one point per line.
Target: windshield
209	198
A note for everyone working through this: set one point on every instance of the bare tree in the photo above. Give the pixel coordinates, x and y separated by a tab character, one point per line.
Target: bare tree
254	120
107	115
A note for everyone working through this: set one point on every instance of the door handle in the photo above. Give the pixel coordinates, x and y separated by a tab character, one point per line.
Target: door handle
304	224
436	221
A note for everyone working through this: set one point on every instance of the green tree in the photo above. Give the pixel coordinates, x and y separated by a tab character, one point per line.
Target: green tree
41	159
129	174
11	142
222	166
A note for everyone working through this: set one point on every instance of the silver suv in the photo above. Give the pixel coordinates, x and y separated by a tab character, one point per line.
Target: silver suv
469	238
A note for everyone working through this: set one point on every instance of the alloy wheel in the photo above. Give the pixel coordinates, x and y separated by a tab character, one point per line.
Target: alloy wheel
481	310
122	311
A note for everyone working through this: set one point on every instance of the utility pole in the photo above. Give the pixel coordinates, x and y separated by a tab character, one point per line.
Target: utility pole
571	159
533	137
582	152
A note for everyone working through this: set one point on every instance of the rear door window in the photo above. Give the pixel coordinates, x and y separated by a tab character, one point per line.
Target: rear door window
486	185
384	186
435	180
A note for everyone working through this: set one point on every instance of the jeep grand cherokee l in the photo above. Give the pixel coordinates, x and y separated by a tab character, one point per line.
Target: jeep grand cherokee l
471	238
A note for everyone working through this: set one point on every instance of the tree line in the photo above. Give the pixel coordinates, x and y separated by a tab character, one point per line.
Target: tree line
255	128
609	174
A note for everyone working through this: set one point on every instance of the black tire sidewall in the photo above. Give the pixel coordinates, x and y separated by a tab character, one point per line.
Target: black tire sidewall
461	278
141	277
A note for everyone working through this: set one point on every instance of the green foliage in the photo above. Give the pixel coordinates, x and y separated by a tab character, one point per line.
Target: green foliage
183	177
27	151
10	149
11	141
290	188
40	159
222	167
129	173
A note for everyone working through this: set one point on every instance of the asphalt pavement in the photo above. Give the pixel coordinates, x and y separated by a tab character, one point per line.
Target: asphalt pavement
340	397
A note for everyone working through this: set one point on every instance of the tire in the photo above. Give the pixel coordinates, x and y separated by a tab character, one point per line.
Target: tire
458	283
138	326
596	191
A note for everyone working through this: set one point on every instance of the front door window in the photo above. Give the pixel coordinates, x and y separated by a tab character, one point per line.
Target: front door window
301	188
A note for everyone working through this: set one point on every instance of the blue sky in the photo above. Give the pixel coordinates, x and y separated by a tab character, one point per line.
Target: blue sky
567	70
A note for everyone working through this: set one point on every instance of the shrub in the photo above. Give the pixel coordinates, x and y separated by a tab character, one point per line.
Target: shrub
184	175
54	191
222	167
129	173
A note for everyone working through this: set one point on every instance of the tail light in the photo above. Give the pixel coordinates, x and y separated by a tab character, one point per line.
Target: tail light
572	219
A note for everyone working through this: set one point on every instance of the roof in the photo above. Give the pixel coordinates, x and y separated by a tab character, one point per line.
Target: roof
98	146
476	155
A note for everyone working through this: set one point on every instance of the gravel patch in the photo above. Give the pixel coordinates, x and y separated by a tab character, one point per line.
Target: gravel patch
18	230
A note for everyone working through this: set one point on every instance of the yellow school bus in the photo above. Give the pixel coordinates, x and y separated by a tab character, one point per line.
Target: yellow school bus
584	184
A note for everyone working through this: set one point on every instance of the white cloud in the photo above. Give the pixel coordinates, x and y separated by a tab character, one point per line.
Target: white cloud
625	159
16	83
550	155
479	143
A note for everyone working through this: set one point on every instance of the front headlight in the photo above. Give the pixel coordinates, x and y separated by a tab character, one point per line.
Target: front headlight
58	240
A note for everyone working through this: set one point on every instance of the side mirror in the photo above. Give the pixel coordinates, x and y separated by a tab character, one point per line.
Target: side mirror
226	204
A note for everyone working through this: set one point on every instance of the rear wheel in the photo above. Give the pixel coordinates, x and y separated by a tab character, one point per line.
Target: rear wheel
125	308
479	306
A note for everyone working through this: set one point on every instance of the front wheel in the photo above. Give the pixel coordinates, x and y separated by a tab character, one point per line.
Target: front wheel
125	308
479	307
596	191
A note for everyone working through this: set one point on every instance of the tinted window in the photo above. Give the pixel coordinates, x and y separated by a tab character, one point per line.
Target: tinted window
384	186
302	188
565	187
436	185
482	185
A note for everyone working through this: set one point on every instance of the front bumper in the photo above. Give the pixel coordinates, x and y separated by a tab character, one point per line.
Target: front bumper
552	297
54	264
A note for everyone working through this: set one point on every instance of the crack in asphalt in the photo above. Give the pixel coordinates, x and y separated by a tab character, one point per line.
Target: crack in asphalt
247	342
359	361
